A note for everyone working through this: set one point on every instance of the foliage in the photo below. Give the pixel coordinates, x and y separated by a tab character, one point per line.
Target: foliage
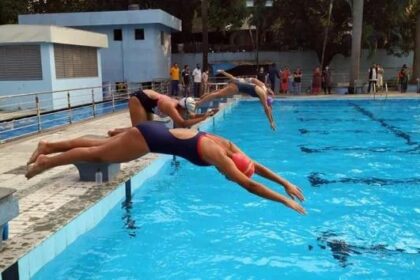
390	24
10	9
289	24
227	13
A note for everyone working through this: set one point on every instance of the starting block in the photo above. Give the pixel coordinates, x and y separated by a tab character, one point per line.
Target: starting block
88	170
9	209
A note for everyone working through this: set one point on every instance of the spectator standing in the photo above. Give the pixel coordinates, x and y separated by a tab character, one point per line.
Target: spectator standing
273	72
174	74
380	75
284	82
186	80
261	75
327	80
373	77
403	78
197	80
297	81
316	81
205	81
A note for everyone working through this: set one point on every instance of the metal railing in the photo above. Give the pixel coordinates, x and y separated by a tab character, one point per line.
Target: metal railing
340	81
27	114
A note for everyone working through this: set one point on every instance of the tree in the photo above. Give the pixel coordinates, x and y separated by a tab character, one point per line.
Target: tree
397	32
357	12
416	64
204	19
301	24
223	13
10	9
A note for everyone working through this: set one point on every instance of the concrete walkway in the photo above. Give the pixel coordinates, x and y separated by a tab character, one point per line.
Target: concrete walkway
51	199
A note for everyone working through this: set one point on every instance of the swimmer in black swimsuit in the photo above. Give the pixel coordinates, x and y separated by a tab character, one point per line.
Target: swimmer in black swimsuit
200	148
251	86
144	103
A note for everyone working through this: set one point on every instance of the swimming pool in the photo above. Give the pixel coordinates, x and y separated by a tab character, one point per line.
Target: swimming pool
357	163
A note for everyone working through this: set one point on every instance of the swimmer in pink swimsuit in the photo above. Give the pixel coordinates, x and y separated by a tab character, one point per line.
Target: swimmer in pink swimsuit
200	148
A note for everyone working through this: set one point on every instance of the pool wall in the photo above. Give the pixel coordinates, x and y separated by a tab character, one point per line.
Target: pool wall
47	250
31	263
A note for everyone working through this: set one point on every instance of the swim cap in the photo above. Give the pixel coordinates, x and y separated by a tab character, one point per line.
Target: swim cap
187	103
270	101
244	164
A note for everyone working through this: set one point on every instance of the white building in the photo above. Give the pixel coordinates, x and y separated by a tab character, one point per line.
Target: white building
139	40
37	58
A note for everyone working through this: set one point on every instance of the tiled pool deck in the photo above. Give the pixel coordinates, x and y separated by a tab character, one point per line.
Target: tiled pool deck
52	199
55	198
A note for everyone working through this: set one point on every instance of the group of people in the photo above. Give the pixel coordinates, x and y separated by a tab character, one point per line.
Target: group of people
185	78
291	82
148	136
321	80
376	78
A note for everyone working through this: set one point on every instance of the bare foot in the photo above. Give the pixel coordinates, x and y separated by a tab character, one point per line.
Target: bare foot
37	167
41	149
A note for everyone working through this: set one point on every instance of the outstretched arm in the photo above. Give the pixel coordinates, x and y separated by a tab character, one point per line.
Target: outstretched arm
262	95
181	122
292	190
226	166
226	74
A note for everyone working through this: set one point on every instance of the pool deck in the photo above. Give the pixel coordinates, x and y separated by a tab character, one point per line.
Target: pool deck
52	199
55	197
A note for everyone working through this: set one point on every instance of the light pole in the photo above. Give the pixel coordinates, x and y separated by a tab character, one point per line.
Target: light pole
205	33
257	5
324	45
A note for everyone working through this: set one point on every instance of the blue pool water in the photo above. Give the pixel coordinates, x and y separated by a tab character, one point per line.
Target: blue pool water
357	163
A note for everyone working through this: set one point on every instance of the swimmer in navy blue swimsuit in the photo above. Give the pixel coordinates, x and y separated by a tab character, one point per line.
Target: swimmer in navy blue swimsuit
252	87
246	87
200	148
161	141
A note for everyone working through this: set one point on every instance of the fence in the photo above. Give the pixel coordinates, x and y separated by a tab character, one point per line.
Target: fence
340	82
26	114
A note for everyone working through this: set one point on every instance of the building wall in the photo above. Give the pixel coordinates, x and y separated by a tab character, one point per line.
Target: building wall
133	60
48	84
77	97
390	63
307	60
21	87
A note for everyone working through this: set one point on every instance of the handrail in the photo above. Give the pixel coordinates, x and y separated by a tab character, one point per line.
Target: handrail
45	92
74	106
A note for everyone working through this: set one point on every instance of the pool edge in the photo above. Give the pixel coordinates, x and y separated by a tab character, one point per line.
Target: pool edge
32	262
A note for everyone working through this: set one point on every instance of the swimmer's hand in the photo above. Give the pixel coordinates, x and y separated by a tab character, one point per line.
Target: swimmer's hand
294	192
220	71
212	112
273	126
295	206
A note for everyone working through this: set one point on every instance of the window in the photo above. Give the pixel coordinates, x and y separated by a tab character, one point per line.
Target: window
139	34
20	63
75	61
162	38
118	35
